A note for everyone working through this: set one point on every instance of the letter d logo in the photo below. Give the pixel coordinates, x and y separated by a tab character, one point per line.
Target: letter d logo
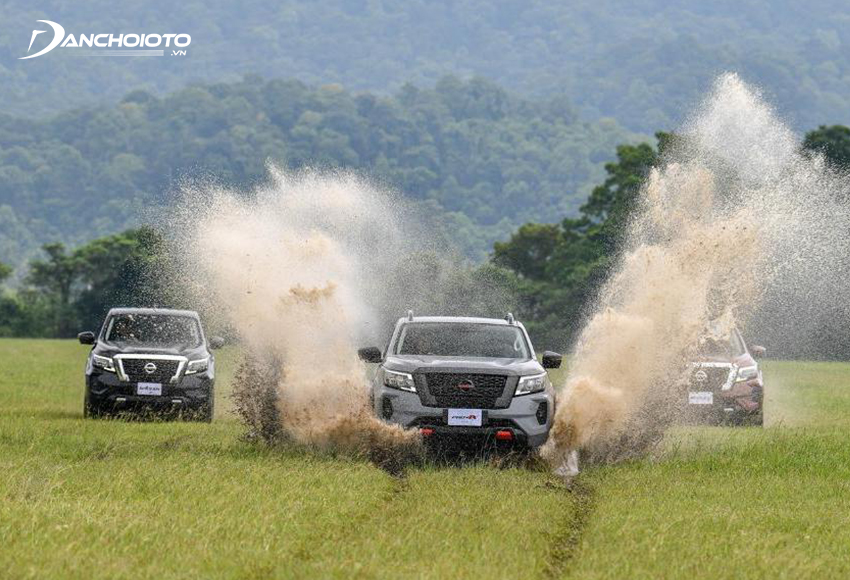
58	35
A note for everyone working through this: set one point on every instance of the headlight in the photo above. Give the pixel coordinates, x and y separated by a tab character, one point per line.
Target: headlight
530	384
102	362
197	366
397	380
747	373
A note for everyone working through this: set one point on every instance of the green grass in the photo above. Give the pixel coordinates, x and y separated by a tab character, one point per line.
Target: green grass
735	503
115	499
111	499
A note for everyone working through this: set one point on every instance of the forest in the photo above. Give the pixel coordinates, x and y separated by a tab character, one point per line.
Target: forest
547	272
482	159
643	62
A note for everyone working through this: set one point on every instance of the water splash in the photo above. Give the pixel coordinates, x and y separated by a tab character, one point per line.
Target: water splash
736	221
292	269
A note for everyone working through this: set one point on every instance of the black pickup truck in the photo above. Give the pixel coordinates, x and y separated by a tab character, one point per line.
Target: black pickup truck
150	360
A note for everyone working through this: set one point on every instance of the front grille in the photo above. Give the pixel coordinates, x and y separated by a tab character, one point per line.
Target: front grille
486	389
715	378
134	368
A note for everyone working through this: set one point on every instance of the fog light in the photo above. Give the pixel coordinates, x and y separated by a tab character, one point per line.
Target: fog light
386	408
542	413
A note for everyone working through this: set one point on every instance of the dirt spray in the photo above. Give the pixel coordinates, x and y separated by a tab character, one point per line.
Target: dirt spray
735	218
291	268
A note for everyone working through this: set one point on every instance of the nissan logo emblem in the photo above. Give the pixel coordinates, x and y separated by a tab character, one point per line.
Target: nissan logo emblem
150	368
466	385
700	376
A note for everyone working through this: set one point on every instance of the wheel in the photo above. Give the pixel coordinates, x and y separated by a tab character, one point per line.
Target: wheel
756	419
747	420
206	411
91	410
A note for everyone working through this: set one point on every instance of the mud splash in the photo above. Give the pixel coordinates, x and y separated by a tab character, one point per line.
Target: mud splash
290	269
734	219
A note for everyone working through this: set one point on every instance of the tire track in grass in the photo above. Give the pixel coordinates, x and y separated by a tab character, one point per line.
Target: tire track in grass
440	522
317	550
566	537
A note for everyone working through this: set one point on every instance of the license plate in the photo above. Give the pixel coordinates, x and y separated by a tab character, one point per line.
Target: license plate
150	389
465	417
701	398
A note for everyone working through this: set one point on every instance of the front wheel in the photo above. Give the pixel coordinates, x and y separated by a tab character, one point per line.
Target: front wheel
91	410
756	419
207	410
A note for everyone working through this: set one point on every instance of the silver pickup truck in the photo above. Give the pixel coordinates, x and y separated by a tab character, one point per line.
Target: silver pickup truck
463	378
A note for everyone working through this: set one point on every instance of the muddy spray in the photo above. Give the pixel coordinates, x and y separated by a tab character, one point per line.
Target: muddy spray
292	268
735	219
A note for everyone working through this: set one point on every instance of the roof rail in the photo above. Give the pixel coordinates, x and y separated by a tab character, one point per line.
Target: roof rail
410	315
509	318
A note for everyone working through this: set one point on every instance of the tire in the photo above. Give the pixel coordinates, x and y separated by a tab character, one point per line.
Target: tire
206	411
749	420
91	410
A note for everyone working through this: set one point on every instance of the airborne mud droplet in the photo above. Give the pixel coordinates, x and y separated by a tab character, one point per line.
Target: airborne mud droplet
736	222
291	269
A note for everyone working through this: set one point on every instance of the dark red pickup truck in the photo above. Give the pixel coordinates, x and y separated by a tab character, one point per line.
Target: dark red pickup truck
725	384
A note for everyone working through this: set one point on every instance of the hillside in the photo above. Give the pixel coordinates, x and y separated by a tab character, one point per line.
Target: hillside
480	157
642	62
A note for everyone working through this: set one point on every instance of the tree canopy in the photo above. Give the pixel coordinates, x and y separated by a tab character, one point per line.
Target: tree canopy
545	272
833	143
66	290
468	151
643	62
561	265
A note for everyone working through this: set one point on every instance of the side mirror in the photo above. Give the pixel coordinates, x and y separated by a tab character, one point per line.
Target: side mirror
552	360
757	351
216	342
86	337
370	354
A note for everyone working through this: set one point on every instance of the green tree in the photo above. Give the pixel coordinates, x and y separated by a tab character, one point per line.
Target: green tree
5	272
55	278
529	250
75	289
560	266
126	269
832	142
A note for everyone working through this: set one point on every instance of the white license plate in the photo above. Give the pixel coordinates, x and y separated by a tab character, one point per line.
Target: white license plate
465	417
701	398
150	389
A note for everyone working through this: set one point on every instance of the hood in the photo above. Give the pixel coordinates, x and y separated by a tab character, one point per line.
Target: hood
426	364
741	361
110	349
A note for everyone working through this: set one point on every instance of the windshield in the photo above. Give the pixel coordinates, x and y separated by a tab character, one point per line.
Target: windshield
463	340
153	329
726	348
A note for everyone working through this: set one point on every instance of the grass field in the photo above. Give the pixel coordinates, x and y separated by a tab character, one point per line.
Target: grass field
113	499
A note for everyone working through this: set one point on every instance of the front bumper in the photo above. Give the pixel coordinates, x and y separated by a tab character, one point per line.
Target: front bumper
521	417
107	391
741	400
